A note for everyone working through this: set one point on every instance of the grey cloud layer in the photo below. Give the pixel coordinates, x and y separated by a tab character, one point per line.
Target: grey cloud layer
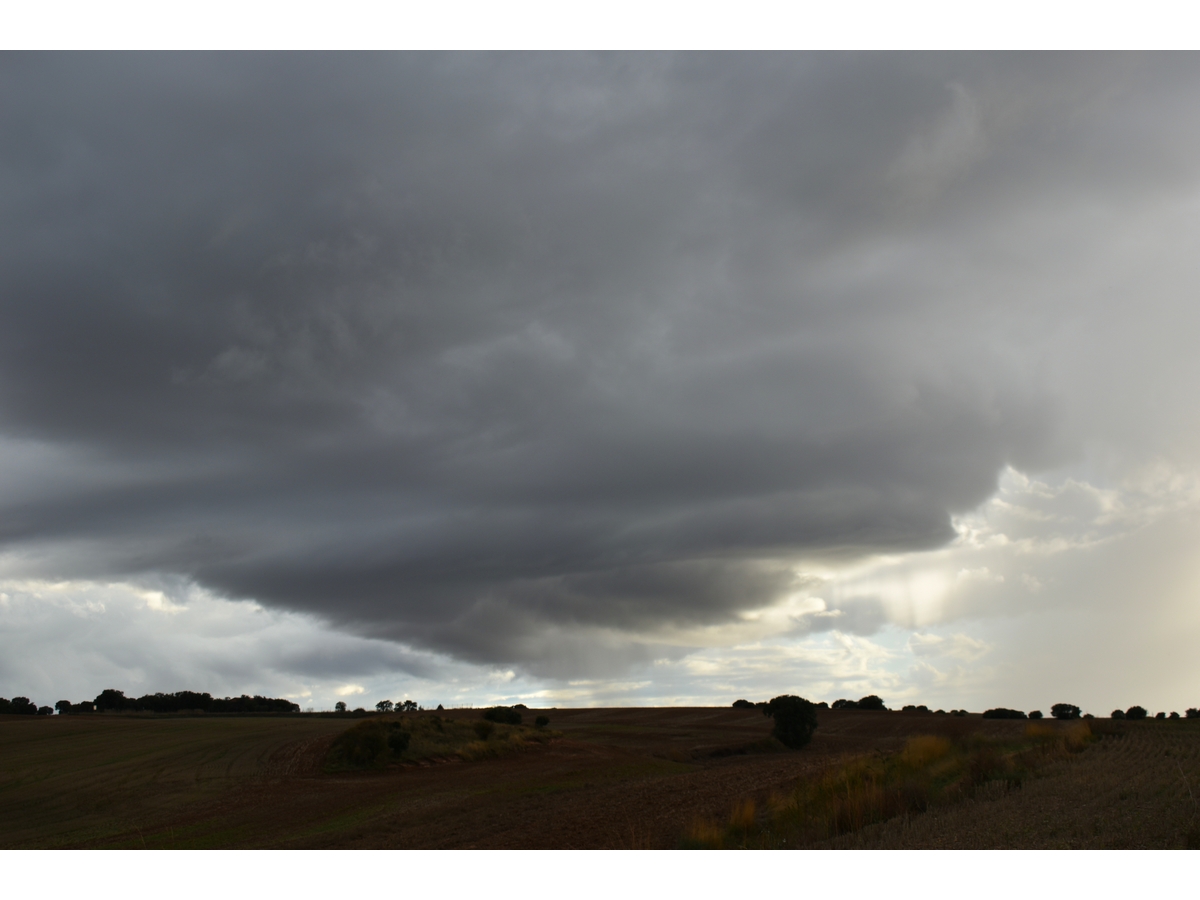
509	356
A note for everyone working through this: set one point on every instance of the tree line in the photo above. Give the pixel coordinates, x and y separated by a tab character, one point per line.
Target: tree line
111	700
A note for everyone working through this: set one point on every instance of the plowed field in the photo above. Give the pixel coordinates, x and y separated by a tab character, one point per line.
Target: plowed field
614	778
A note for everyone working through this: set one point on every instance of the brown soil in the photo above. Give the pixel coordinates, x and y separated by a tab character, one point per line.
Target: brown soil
613	778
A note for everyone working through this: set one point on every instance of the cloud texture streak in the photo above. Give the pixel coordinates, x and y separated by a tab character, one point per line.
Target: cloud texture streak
568	363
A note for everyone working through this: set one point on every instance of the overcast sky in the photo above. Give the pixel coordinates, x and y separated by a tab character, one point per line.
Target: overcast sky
601	379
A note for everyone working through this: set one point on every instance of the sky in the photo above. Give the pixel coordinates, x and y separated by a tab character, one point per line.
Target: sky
601	378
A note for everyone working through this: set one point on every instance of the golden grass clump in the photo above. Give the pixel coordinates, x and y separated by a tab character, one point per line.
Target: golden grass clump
924	749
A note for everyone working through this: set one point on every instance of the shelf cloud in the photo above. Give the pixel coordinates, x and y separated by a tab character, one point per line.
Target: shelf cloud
554	362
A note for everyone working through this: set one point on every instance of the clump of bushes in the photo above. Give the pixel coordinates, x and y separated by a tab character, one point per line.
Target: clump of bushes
1192	713
912	708
1065	711
742	704
368	744
505	715
1001	713
795	720
1036	714
871	701
1135	712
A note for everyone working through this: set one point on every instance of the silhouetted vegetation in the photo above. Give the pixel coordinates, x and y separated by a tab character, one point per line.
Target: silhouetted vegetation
1135	712
1160	715
1035	714
18	706
1065	711
795	720
871	702
912	708
1192	713
383	706
742	704
541	721
1118	714
506	715
1001	713
340	706
111	700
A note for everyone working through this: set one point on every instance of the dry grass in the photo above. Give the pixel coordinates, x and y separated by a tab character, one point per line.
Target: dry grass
929	771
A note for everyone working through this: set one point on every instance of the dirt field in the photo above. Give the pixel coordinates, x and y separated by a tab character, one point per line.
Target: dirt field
615	778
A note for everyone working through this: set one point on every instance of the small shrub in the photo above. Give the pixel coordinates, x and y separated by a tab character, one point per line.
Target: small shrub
1135	712
398	739
1065	711
484	730
1001	713
795	720
504	715
541	721
1036	714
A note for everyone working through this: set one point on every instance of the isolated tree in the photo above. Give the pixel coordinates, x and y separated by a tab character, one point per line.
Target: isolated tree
871	702
795	720
1118	713
1036	714
1135	712
384	706
1160	715
1192	713
340	706
1065	711
63	707
1173	715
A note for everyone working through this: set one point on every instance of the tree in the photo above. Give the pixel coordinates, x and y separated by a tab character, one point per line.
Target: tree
1160	715
1135	712
1036	714
871	702
407	706
63	707
1065	711
384	706
23	706
795	720
844	704
111	699
340	706
1118	713
742	704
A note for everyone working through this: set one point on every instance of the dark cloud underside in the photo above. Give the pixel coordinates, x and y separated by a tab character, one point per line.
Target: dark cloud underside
476	350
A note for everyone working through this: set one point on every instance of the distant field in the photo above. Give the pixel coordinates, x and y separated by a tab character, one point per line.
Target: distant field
610	778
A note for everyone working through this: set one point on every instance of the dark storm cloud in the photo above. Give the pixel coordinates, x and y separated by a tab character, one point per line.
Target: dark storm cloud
510	355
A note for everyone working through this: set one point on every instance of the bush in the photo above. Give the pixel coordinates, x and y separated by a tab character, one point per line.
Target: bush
484	730
1065	711
912	708
22	706
1192	713
1135	712
541	721
505	715
844	704
1173	715
361	746
1118	714
1036	714
958	712
795	720
742	704
871	702
1160	715
1001	713
398	738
